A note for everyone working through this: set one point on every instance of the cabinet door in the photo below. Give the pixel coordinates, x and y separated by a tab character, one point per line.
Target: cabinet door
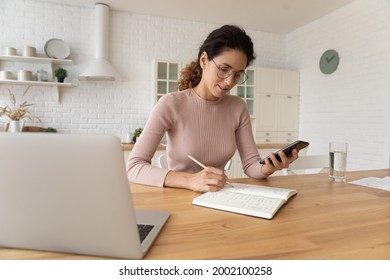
247	91
266	112
166	77
267	80
289	82
288	113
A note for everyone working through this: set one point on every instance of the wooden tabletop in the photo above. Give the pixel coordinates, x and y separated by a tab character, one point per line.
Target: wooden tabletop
326	220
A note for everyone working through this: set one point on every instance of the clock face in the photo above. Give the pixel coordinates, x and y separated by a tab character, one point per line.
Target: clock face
329	62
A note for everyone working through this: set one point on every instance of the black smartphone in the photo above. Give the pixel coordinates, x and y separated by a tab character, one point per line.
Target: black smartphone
299	145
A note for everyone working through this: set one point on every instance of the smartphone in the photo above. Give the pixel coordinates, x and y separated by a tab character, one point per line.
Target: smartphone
299	145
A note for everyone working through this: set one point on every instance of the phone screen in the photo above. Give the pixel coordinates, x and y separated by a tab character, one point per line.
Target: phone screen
299	145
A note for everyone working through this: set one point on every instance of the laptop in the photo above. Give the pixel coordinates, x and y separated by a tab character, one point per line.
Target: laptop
70	193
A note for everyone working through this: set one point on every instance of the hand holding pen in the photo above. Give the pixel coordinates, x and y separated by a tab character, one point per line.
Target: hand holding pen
204	167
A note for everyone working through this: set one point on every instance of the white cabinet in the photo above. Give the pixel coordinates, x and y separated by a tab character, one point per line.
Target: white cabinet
166	76
277	105
278	81
246	91
287	117
266	115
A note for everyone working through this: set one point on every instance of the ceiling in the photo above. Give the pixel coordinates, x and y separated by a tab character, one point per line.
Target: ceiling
275	16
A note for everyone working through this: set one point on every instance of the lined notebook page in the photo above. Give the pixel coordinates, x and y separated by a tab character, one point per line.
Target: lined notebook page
241	203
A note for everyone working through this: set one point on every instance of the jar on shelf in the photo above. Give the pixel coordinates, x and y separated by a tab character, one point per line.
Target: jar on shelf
42	76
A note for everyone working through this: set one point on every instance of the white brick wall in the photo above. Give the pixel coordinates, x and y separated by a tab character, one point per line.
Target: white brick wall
135	41
353	103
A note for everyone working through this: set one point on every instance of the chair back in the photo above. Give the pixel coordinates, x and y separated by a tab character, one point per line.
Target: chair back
308	164
228	165
162	161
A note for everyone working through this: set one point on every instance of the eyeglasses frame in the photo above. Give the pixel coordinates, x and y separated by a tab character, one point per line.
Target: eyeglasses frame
231	72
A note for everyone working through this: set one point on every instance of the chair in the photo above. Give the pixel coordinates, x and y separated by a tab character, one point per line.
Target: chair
162	161
308	164
228	165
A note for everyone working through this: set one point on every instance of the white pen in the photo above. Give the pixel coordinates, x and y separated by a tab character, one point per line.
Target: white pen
204	166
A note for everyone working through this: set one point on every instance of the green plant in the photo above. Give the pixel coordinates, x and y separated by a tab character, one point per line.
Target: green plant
50	129
137	133
15	111
61	73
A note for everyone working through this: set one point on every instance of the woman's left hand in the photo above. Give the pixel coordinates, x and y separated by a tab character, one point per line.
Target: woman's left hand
272	164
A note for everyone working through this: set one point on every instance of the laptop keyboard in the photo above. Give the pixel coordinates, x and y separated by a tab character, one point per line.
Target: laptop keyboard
144	230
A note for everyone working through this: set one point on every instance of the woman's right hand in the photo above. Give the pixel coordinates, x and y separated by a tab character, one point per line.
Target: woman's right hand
210	179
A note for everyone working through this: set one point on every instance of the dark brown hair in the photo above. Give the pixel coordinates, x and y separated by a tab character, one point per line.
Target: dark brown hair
219	40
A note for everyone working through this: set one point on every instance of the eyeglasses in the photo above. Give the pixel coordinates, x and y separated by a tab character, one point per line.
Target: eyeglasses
225	72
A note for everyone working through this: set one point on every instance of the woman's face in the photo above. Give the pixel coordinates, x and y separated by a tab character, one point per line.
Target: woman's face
220	73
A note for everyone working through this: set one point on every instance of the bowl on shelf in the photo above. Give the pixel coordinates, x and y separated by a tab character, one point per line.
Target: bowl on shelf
29	51
24	75
10	51
5	75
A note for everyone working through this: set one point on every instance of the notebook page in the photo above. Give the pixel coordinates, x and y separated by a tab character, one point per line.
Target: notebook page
241	203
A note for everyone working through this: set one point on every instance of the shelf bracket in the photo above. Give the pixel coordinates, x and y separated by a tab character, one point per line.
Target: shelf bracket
57	93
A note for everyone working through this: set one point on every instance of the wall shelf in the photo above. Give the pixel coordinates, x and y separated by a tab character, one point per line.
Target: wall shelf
38	60
36	83
35	59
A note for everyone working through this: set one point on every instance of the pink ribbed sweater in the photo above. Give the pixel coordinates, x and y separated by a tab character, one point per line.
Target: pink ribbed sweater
210	131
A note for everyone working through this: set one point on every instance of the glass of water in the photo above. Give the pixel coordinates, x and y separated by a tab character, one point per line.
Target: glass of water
338	161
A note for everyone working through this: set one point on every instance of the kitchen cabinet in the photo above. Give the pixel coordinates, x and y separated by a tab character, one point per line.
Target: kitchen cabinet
246	91
277	105
166	77
32	62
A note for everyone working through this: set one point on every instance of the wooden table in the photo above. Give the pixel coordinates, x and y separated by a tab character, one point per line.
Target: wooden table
326	220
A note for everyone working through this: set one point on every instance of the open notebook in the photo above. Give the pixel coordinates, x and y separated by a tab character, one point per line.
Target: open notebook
69	193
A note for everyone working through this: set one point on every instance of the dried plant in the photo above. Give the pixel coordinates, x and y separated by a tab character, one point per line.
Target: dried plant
15	111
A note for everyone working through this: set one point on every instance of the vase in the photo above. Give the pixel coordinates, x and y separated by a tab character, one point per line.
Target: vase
14	126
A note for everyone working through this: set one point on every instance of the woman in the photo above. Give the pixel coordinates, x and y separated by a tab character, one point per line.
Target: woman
204	121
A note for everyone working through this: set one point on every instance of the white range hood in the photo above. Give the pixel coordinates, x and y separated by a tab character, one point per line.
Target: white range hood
100	69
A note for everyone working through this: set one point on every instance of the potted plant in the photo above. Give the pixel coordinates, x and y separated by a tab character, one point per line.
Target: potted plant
17	112
50	129
60	74
136	134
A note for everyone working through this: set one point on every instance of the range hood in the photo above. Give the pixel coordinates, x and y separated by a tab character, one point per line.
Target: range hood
100	69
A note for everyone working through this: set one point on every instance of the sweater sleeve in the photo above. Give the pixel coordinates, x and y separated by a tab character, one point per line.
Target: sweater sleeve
247	149
139	167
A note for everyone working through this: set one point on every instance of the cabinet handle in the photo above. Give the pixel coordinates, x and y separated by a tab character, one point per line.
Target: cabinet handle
268	134
268	95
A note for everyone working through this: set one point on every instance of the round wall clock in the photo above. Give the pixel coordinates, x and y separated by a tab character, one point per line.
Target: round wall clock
329	61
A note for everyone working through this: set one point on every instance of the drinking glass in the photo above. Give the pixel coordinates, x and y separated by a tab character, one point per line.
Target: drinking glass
338	161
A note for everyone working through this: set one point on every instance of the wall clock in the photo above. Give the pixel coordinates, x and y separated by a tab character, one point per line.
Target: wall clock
329	61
